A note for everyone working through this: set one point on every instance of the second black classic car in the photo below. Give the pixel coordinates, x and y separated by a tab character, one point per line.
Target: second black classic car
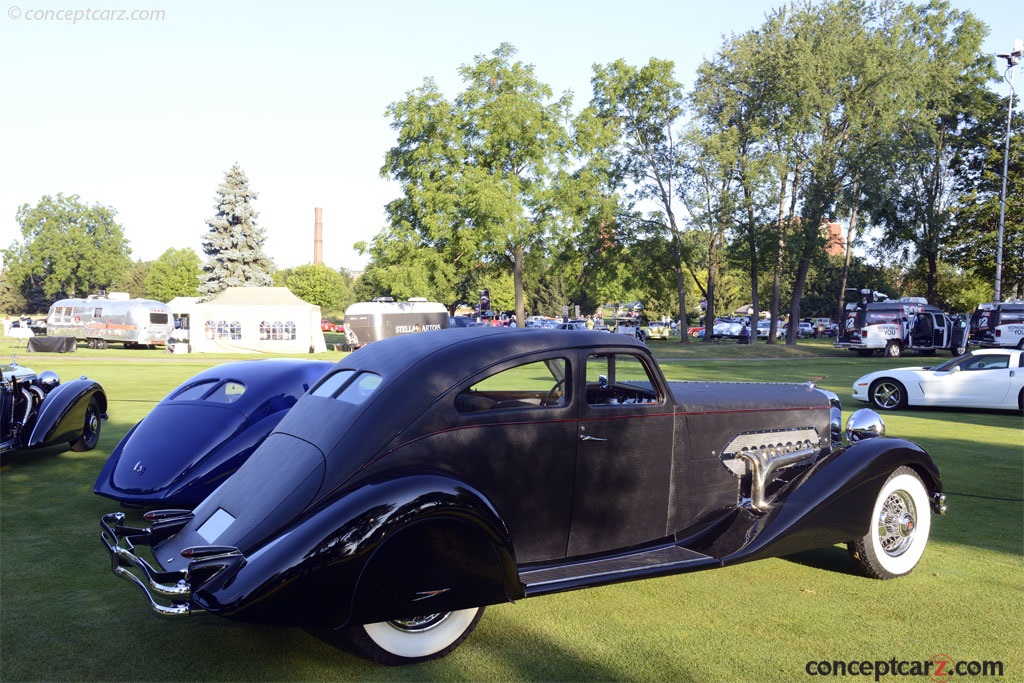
429	475
36	410
203	431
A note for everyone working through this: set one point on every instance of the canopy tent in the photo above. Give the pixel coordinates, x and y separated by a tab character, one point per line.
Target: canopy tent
255	320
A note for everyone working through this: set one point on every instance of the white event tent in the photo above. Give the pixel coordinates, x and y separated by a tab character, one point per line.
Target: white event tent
255	320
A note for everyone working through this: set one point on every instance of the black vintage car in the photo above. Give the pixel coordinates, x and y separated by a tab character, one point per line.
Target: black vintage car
429	475
37	410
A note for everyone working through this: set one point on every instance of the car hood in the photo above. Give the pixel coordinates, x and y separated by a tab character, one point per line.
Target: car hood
152	457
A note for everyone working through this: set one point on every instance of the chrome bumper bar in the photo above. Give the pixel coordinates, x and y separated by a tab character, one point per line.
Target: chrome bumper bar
171	587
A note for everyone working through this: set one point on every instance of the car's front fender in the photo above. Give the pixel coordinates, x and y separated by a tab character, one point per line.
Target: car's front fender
62	412
329	550
832	503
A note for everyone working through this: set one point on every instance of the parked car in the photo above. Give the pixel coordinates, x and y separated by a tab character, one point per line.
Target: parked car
990	378
764	328
203	431
330	326
727	328
37	410
426	476
657	330
696	331
806	329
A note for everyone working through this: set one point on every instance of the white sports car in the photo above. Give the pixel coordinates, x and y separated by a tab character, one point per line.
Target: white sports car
989	378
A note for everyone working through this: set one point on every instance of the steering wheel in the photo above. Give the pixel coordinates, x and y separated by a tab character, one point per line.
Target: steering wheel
554	395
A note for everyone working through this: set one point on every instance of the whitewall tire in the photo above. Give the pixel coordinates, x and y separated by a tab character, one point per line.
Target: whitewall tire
899	527
408	641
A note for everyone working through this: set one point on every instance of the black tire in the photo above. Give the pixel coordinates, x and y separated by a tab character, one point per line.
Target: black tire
899	526
407	641
893	349
958	351
888	394
90	428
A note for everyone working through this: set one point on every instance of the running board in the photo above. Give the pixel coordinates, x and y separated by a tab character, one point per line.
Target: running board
662	561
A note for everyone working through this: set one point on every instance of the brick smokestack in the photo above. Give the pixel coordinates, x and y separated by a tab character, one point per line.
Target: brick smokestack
318	237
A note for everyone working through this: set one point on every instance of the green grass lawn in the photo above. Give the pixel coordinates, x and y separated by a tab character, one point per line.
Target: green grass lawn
65	617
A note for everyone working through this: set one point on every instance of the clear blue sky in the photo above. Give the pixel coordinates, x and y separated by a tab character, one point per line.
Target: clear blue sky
146	114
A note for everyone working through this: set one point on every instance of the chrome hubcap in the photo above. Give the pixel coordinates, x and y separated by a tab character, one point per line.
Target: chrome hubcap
419	624
897	523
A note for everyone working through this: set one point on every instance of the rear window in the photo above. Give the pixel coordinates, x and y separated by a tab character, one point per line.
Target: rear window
214	390
348	386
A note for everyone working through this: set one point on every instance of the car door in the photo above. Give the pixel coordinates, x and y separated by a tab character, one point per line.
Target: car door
514	439
978	380
624	455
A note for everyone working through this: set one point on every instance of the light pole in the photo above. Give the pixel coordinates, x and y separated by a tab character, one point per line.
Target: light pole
1011	62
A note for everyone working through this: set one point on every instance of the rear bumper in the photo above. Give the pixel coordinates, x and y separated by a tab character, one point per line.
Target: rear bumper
168	593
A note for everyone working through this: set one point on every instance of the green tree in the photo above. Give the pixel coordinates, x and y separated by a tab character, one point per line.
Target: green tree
133	280
176	273
479	174
911	193
68	248
234	243
643	107
321	286
11	300
972	244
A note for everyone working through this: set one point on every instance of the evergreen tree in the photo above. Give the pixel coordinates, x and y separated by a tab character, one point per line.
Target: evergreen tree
234	244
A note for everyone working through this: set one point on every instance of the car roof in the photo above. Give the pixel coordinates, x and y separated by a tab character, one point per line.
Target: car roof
471	348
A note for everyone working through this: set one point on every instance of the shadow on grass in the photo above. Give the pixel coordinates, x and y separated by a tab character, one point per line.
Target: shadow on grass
833	559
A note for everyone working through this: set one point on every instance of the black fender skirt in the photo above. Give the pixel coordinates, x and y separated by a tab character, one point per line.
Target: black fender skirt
365	551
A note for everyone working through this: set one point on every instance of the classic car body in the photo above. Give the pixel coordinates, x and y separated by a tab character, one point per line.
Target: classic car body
428	475
657	330
37	410
201	432
990	378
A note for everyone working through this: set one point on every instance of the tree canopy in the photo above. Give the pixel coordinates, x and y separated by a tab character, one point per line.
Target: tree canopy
174	274
68	248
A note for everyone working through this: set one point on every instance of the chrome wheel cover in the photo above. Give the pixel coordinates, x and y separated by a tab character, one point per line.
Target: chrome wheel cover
897	523
419	624
886	395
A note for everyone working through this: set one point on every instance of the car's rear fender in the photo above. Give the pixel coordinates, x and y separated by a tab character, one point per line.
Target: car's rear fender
376	524
62	413
832	502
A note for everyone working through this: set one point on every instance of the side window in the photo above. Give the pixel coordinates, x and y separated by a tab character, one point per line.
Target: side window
531	385
619	378
991	362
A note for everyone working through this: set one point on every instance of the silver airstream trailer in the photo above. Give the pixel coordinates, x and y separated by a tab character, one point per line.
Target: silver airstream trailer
100	320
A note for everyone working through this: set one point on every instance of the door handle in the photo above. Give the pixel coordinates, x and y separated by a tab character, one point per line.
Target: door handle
588	437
